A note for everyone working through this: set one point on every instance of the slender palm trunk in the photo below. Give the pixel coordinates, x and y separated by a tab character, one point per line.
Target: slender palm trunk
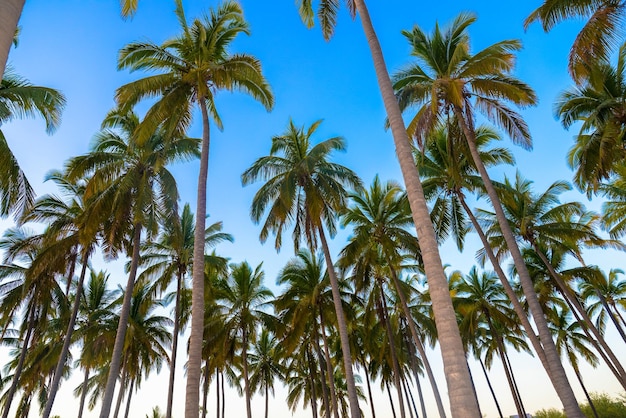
10	12
223	395
20	363
312	385
515	385
205	389
619	315
462	400
267	400
118	348
614	318
392	350
194	363
83	395
246	380
556	372
58	373
217	391
493	394
599	342
418	385
369	390
393	408
329	367
409	398
355	411
120	395
323	382
130	396
175	331
417	340
582	385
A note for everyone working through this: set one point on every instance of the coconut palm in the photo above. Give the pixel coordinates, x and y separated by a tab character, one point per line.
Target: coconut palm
597	37
448	80
265	365
132	189
614	207
463	402
193	66
598	103
170	258
302	185
19	98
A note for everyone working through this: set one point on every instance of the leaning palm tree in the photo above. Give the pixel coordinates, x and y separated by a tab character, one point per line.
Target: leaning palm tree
130	189
448	80
19	98
192	67
463	401
302	185
597	37
604	295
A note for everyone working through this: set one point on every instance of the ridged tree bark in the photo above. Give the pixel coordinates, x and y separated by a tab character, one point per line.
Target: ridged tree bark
556	371
463	403
192	400
10	12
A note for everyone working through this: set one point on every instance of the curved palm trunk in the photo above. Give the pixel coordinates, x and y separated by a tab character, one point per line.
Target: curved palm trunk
120	336
58	373
369	390
619	315
329	367
599	342
10	12
246	380
20	363
355	411
556	372
392	351
417	340
462	400
192	396
580	380
83	395
493	394
175	331
613	317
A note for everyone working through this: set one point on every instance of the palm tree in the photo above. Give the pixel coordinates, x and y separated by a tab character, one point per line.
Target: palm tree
171	257
597	37
130	185
462	399
194	66
245	295
10	12
604	294
265	365
19	98
449	80
598	103
302	185
380	217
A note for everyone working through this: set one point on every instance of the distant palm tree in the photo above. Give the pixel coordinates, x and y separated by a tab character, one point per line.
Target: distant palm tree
193	67
265	365
304	187
19	98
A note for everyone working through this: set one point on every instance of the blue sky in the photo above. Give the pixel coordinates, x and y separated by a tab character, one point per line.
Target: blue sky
72	45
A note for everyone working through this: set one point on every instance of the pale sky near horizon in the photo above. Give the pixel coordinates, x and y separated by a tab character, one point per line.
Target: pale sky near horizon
72	45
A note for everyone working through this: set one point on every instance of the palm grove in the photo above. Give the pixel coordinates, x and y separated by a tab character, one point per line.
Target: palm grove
373	308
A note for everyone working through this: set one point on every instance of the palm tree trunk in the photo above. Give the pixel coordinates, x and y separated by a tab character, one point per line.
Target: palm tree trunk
118	347
409	398
355	411
462	400
556	372
205	389
515	385
493	394
329	367
120	395
417	340
130	396
393	408
246	380
20	363
576	306
217	391
58	373
392	350
10	12
473	385
175	331
312	383
83	394
580	380
194	363
323	381
416	376
621	318
369	390
223	395
613	317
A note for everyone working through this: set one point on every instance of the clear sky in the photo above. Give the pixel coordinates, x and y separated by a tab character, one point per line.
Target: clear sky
72	45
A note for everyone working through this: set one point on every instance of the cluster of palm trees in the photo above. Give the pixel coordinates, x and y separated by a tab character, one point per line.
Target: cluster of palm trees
384	298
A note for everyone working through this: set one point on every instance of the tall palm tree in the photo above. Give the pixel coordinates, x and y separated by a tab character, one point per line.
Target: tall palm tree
245	295
131	188
462	399
265	365
193	66
597	37
380	217
170	258
607	293
449	80
302	185
19	98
